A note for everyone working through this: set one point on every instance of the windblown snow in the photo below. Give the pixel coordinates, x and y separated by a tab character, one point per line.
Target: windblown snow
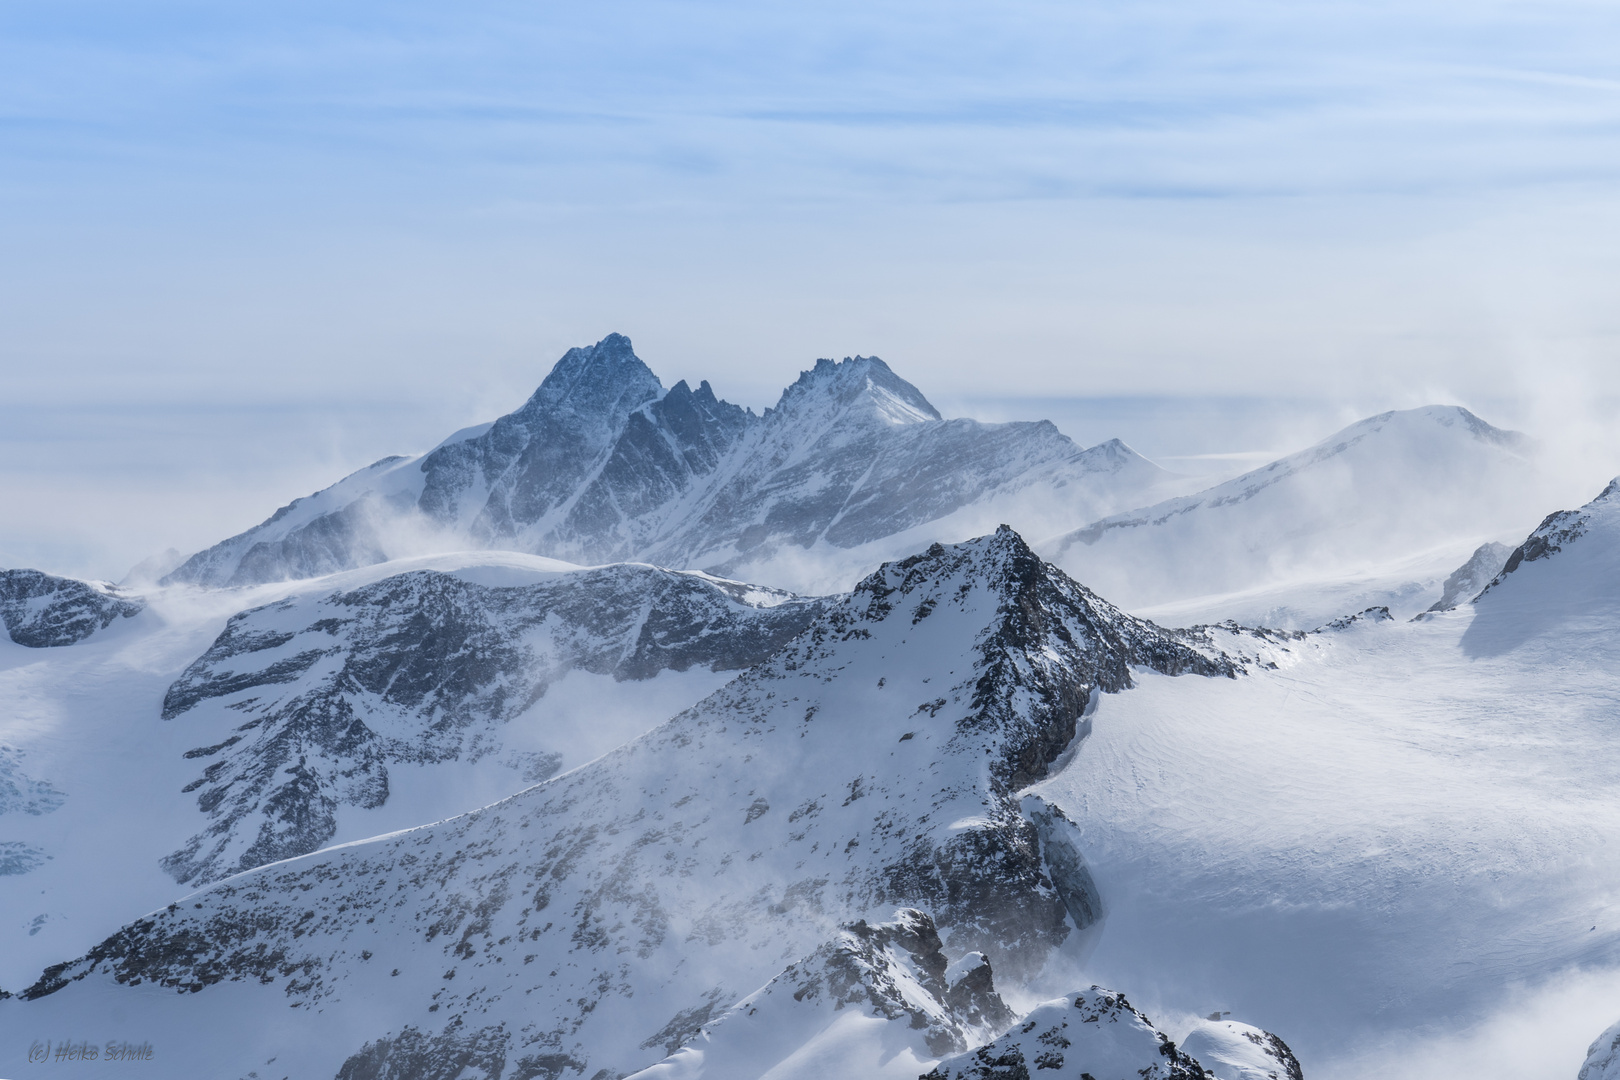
603	464
635	734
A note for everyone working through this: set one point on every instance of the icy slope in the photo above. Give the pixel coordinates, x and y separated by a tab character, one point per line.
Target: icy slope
41	610
602	464
1387	487
1404	828
452	679
872	764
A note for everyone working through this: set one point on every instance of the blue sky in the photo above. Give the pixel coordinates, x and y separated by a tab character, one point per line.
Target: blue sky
351	228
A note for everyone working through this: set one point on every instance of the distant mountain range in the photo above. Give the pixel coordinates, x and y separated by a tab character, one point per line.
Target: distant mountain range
475	766
603	464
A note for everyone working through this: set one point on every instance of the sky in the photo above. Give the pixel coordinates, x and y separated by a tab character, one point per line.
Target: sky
247	248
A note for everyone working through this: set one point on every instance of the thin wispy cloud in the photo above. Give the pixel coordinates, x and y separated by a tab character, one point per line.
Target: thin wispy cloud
301	203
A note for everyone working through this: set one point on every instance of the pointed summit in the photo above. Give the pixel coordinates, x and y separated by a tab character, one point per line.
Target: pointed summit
863	386
604	379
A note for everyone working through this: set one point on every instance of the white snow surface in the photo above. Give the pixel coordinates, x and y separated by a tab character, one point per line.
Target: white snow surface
1404	827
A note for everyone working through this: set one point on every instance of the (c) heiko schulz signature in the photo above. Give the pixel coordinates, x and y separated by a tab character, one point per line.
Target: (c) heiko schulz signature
39	1053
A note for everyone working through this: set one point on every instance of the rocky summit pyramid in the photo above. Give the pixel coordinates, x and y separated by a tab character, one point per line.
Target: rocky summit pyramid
603	464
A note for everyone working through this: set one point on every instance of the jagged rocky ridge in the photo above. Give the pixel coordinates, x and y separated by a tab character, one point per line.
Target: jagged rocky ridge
892	971
874	763
603	464
43	611
307	701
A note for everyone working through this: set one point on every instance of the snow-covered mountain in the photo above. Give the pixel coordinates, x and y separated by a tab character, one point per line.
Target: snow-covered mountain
42	611
333	710
1383	489
603	464
436	828
877	762
303	704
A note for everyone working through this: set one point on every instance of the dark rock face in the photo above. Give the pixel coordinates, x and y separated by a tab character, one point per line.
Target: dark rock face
973	998
42	611
322	686
602	465
581	892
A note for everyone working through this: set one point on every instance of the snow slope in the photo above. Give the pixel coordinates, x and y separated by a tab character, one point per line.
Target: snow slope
1384	489
330	711
1394	836
602	464
875	763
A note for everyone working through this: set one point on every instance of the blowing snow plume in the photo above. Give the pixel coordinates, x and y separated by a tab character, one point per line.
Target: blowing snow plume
1386	488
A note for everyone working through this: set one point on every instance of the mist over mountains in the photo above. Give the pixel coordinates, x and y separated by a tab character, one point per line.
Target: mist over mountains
603	464
638	734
